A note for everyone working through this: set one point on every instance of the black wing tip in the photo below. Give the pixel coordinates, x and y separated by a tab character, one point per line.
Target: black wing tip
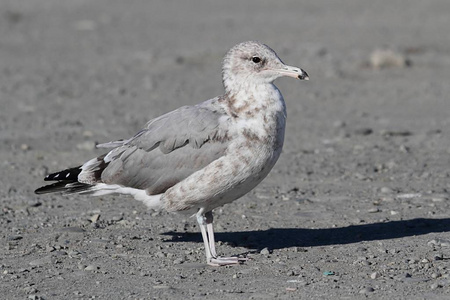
66	175
64	187
51	188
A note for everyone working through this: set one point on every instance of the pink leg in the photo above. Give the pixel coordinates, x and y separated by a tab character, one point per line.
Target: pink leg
205	222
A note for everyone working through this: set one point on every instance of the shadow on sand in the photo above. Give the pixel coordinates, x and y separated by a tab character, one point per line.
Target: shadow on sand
279	238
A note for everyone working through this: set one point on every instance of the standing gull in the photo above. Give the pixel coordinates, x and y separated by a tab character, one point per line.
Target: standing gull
200	157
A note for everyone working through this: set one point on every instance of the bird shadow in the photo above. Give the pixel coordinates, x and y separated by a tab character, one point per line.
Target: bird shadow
279	238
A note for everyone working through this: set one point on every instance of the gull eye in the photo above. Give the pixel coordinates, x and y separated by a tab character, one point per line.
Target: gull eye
256	59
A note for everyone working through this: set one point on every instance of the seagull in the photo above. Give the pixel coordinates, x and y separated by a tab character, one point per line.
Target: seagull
197	158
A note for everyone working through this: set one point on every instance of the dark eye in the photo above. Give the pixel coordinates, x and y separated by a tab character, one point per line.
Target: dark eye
256	59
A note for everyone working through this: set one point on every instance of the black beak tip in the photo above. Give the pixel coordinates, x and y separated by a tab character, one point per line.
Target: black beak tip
303	76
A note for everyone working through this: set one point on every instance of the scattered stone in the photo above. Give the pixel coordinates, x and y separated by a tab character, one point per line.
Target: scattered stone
178	261
73	253
413	261
386	190
265	251
14	237
161	287
393	251
373	210
387	58
299	249
328	273
95	218
367	290
438	199
409	196
91	268
34	203
30	290
435	285
438	257
364	131
375	275
439	243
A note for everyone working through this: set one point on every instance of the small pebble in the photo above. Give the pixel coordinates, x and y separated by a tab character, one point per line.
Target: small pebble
30	290
438	257
439	243
366	290
386	190
265	251
387	58
14	237
364	131
95	218
375	275
435	286
91	268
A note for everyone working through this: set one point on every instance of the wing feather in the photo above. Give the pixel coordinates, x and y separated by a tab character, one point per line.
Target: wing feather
168	149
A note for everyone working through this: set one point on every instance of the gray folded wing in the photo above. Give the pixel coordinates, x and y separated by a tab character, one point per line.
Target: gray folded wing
168	149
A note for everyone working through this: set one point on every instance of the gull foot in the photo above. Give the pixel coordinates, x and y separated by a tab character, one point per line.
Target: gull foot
225	261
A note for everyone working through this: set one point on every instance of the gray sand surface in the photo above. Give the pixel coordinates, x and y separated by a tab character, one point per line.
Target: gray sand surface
357	206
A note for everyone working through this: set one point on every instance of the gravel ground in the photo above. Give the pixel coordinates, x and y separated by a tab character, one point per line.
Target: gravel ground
357	206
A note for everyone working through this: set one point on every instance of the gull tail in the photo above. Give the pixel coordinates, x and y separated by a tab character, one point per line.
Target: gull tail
81	179
86	179
67	182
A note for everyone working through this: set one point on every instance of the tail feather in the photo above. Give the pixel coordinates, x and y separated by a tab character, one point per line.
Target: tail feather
65	187
68	181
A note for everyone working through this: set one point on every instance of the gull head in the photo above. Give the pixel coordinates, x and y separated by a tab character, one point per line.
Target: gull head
255	62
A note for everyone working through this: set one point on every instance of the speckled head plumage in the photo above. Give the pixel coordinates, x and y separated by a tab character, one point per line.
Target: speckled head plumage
256	62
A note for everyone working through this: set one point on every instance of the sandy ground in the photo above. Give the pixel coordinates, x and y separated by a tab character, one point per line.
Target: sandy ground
357	206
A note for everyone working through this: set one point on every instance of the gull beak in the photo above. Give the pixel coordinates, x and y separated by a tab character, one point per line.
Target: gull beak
293	72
